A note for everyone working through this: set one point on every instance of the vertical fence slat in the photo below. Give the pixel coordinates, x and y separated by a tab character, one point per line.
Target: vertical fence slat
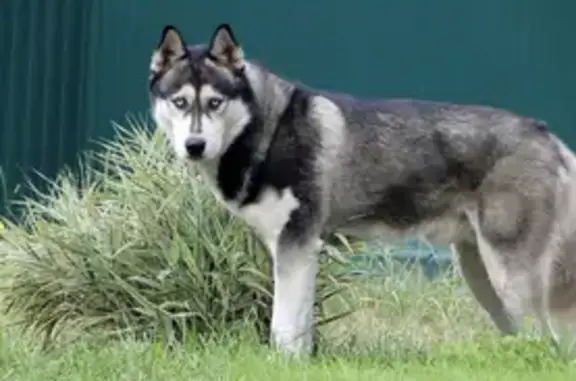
29	79
61	96
84	48
12	52
94	94
48	40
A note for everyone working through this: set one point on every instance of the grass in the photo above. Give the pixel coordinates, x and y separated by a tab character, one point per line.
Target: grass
407	328
239	361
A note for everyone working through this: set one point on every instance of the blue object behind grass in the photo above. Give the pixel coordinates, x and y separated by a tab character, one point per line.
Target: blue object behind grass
378	258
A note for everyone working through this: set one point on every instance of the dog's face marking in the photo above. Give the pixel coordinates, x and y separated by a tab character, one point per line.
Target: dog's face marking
202	115
199	93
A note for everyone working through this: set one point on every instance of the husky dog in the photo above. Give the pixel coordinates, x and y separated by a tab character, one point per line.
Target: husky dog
297	164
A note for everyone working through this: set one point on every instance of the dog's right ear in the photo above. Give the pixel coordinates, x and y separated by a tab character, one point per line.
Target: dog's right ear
170	49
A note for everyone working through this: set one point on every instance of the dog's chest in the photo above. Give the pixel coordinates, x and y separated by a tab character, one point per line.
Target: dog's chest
269	215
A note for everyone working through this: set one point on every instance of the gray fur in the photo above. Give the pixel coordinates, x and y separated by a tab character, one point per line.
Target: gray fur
497	186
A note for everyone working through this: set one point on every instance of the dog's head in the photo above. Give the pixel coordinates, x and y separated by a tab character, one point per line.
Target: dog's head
200	95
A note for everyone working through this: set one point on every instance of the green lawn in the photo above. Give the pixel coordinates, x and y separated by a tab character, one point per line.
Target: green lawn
407	329
237	361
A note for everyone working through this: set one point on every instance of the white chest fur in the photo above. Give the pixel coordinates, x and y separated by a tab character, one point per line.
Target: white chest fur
269	215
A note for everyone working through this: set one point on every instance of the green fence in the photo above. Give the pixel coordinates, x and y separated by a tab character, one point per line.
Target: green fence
69	67
46	86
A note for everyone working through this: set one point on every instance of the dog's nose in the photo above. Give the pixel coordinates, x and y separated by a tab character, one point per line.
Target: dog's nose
195	147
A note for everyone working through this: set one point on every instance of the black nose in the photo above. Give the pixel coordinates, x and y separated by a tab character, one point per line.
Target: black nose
195	147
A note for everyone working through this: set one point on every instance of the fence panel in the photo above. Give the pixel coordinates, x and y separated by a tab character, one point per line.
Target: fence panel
44	86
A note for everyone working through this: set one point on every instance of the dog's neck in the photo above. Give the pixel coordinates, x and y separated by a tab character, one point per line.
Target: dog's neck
230	173
272	95
272	92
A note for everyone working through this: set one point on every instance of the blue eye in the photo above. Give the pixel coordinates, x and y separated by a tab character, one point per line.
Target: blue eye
180	103
214	103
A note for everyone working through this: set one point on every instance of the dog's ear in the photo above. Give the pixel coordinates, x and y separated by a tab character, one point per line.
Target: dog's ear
224	48
170	49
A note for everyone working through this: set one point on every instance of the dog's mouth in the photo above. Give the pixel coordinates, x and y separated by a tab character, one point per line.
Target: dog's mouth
195	158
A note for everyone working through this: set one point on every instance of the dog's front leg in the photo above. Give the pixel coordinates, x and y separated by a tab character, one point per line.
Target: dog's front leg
295	269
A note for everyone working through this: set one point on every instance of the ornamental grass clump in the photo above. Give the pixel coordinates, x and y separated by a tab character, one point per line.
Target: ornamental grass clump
135	244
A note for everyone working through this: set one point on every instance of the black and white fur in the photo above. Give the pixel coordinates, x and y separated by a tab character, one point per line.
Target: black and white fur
297	164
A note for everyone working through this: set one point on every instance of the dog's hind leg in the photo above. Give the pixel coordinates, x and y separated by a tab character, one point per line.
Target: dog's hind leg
474	272
559	308
561	331
513	214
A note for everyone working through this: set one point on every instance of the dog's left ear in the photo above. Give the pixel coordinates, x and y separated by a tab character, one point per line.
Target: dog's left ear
224	48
